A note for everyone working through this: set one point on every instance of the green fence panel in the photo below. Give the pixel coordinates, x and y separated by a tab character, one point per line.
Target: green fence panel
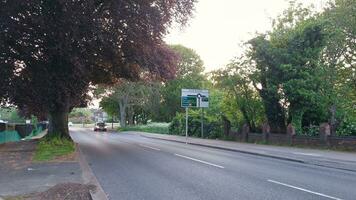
9	136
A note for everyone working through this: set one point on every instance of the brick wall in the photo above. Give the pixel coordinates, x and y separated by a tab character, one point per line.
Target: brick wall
337	142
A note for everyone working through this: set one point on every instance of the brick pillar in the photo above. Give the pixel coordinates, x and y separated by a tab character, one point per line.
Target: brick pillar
266	130
245	132
290	133
324	132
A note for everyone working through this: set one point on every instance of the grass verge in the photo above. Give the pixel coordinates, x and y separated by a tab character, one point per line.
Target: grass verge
161	128
50	148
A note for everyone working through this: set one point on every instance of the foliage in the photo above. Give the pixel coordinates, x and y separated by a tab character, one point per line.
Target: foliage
51	147
152	127
11	115
347	127
51	51
189	75
212	126
129	100
240	96
288	63
80	115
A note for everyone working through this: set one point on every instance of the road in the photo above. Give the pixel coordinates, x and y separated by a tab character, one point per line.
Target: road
129	166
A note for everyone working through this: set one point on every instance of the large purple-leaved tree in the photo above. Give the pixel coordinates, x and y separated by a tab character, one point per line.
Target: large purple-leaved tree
52	51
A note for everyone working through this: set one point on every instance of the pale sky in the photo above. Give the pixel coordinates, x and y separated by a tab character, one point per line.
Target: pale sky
219	27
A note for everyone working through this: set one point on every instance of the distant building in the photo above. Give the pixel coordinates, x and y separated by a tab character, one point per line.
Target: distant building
99	115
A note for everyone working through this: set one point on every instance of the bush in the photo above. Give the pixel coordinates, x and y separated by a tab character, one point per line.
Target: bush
347	128
212	126
310	131
153	127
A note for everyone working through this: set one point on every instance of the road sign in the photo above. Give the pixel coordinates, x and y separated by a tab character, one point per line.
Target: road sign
189	101
195	98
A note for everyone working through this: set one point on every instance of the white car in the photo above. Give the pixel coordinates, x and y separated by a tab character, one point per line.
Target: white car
100	126
70	124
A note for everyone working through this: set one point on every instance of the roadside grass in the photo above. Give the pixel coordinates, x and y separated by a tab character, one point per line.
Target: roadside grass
49	148
21	197
153	127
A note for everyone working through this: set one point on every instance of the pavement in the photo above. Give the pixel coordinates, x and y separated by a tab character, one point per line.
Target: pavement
133	165
19	175
326	158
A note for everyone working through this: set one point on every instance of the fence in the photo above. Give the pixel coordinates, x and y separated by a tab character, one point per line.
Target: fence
9	136
16	132
322	139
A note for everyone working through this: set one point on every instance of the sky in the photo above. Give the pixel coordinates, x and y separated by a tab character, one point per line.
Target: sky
219	27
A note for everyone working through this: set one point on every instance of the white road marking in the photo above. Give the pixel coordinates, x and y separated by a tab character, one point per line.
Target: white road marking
306	154
201	161
150	147
304	190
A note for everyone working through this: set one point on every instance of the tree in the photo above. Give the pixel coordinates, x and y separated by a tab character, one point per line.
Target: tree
125	96
11	115
266	80
241	96
110	106
80	115
288	67
301	83
338	61
189	75
51	51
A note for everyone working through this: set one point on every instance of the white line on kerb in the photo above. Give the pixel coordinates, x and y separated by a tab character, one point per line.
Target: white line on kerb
150	147
201	161
304	190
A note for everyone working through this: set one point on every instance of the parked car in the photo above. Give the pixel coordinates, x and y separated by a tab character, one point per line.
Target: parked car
70	124
100	126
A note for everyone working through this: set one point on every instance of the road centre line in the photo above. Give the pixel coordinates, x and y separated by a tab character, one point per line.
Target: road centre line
201	161
150	147
304	190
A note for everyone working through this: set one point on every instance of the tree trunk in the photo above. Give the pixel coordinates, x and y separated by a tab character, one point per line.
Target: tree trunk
112	122
297	117
333	119
58	124
130	115
122	115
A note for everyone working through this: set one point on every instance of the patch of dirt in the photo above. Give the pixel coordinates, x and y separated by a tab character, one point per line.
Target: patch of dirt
17	155
63	191
73	157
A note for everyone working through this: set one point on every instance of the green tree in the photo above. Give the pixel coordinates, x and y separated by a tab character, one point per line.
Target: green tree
189	75
127	97
11	114
266	80
241	98
80	115
288	70
339	64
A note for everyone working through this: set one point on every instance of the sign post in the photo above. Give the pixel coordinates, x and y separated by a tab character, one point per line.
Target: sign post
194	98
186	125
202	122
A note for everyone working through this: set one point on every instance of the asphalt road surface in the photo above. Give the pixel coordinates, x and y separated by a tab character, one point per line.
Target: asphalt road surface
129	166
